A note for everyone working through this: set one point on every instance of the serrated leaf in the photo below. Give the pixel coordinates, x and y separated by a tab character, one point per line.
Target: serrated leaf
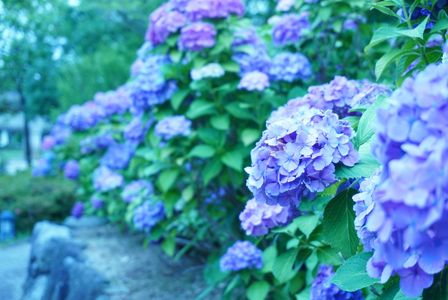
178	98
307	224
352	275
221	122
200	108
389	58
202	151
367	123
239	112
167	179
249	136
258	290
328	256
338	229
211	170
269	256
283	266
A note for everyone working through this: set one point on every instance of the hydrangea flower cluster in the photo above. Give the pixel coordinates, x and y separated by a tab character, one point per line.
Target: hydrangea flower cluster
297	154
322	288
197	36
48	143
60	131
147	215
213	70
117	157
341	95
71	170
114	102
284	5
289	28
104	179
86	116
216	196
163	22
250	52
96	202
409	216
242	255
137	189
43	165
172	127
150	87
258	218
290	67
212	9
99	142
136	130
78	210
254	81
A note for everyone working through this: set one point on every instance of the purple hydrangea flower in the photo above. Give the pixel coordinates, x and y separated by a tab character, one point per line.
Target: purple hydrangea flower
350	24
78	210
71	170
341	95
216	196
43	166
254	81
197	36
297	154
150	87
322	288
96	202
290	67
147	215
250	52
174	126
104	179
409	216
99	142
136	67
137	189
114	102
258	218
48	143
60	131
136	130
242	255
212	70
163	22
204	9
289	28
118	156
84	117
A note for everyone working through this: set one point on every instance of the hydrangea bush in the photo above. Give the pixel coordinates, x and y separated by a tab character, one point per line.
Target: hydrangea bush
346	180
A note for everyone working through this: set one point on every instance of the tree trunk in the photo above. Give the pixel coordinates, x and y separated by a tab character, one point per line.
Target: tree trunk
26	127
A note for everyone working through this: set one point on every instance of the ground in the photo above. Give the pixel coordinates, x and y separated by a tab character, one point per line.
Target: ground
13	266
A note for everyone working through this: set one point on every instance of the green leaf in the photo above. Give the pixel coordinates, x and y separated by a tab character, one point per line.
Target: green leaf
231	66
283	266
416	32
352	275
200	108
249	136
234	160
440	25
239	112
307	224
388	58
258	290
178	98
269	256
169	245
221	122
167	179
328	256
202	151
211	170
338	227
366	166
367	123
188	193
439	289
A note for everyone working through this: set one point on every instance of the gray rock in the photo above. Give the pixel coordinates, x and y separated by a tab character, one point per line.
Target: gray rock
57	269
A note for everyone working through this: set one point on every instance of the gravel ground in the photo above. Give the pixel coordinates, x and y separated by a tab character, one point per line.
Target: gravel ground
13	266
138	273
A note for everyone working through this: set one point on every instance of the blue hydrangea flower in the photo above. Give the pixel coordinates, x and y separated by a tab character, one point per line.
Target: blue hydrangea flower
250	52
96	202
211	9
197	36
60	132
137	189
84	117
164	21
409	215
104	179
150	87
254	81
297	154
71	170
118	156
48	143
216	196
172	127
114	102
136	130
99	142
258	218
43	166
289	28
323	289
284	5
78	210
242	255
290	67
147	215
213	70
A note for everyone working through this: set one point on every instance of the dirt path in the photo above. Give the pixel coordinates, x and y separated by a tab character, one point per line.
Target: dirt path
138	273
13	267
